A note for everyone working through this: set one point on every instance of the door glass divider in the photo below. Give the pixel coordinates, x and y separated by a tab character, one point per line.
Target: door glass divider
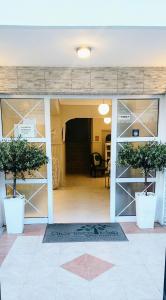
135	179
28	181
137	139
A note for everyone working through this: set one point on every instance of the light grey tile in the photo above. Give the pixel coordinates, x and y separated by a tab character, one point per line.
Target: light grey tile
40	291
72	292
10	291
109	290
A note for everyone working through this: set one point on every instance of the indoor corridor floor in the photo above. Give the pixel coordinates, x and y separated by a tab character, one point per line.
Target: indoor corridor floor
83	199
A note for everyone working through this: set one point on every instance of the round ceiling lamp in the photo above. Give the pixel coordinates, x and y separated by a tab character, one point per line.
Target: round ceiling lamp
103	109
84	52
107	120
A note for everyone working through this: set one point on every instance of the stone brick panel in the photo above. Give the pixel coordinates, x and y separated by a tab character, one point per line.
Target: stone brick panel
104	80
8	79
30	78
131	79
155	80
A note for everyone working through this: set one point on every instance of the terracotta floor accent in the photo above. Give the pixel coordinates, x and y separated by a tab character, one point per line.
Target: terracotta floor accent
87	266
35	229
131	227
6	242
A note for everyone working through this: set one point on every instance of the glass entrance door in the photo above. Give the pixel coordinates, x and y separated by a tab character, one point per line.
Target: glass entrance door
137	123
33	112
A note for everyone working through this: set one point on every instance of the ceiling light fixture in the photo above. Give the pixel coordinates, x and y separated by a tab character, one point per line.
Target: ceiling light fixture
83	52
107	120
103	109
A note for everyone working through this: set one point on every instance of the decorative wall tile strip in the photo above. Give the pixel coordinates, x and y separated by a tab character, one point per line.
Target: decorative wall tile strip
108	80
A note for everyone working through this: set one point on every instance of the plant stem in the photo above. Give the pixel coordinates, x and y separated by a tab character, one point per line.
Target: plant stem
14	185
146	183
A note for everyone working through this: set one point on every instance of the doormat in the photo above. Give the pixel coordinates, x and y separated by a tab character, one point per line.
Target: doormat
84	232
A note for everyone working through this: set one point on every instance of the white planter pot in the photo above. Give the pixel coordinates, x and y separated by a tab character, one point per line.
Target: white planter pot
145	209
1	216
14	214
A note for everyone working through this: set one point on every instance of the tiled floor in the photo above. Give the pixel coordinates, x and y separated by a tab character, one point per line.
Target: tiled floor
86	271
7	241
83	199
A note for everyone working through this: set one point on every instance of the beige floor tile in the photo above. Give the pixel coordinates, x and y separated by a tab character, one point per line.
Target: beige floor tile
83	199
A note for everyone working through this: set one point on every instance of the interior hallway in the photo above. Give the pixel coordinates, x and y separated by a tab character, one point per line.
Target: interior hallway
83	199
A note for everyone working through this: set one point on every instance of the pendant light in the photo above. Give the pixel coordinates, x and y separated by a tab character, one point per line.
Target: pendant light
107	120
103	108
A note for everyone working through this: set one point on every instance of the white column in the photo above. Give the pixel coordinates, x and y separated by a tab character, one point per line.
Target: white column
49	154
2	196
2	183
161	177
113	160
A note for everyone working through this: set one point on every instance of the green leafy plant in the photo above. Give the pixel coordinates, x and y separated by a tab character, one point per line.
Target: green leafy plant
17	156
148	157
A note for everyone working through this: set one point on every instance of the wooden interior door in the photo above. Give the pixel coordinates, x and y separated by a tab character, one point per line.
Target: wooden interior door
78	146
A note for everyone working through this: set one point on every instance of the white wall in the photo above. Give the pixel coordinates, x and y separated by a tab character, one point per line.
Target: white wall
99	129
58	148
161	177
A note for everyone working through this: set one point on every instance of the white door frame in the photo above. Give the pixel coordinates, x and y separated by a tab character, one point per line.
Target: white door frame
49	165
160	177
47	139
114	179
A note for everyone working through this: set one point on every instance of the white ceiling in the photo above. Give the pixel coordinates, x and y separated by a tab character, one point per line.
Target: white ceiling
55	46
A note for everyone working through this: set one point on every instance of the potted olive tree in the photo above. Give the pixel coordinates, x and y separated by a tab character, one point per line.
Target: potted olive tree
17	156
148	157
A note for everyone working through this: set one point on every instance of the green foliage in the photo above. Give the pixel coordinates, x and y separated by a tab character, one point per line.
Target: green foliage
148	157
18	156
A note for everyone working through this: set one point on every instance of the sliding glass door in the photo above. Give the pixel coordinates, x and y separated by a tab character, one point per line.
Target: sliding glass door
30	118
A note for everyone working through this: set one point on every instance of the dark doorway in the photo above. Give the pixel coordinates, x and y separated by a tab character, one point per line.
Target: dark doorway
78	146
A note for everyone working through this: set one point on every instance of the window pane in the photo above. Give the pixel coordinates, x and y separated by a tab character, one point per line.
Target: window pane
36	199
128	172
137	114
125	194
18	112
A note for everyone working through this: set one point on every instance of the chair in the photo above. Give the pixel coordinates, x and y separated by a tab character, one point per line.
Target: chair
98	165
107	174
